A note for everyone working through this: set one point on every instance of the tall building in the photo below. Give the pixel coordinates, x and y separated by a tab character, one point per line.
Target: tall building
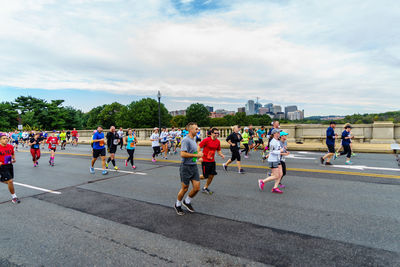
257	107
295	115
276	109
210	109
269	105
263	111
250	107
289	109
279	115
242	109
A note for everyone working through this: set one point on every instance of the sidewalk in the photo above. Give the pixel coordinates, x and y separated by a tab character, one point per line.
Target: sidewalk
310	146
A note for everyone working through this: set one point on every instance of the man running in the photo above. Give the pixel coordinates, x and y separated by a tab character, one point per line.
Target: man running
35	149
15	138
7	158
330	142
155	144
164	142
246	137
68	135
25	138
99	150
234	140
53	142
346	141
121	137
260	141
188	170
210	145
112	144
63	139
251	137
172	139
130	141
74	134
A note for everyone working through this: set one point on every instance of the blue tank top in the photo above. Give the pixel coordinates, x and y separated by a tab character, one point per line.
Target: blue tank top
130	142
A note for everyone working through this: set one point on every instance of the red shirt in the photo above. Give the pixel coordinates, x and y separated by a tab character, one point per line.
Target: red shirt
74	133
6	153
209	147
52	141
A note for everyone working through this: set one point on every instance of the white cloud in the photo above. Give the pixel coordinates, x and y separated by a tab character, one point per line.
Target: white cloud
307	52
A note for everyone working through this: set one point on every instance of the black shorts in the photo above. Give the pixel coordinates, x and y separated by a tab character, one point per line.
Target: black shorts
208	168
6	172
188	173
99	152
235	153
112	149
64	141
15	142
331	148
54	149
260	141
163	143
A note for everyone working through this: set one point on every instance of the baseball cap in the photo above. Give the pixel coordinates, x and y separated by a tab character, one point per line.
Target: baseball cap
246	128
155	128
54	131
3	134
283	133
274	131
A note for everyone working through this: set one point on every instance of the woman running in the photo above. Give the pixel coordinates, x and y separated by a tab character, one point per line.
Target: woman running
35	149
164	142
234	140
245	142
155	138
130	141
53	142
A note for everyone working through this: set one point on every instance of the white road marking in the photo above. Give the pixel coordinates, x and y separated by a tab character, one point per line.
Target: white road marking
139	173
38	188
296	157
306	152
360	167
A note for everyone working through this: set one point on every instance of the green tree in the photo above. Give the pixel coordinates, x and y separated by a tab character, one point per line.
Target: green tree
179	121
110	114
9	116
198	113
144	114
216	122
93	117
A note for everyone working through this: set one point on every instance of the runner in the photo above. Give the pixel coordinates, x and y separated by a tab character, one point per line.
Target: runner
130	141
188	170
121	137
234	140
346	139
210	145
74	134
155	143
68	135
283	140
198	135
184	133
330	142
63	139
251	137
7	158
164	142
261	135
172	139
25	138
112	144
178	137
15	138
274	163
99	150
43	137
53	142
245	142
34	142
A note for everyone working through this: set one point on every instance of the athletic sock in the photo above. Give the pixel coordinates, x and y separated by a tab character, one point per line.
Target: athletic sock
108	160
13	195
113	162
178	203
188	200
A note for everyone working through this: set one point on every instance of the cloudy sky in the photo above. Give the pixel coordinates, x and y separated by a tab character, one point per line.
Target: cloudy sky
328	57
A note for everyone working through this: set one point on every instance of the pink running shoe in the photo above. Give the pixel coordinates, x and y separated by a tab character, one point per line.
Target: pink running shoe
133	167
281	186
277	190
261	184
153	160
126	163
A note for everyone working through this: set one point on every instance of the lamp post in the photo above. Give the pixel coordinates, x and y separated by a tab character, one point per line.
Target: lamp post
159	109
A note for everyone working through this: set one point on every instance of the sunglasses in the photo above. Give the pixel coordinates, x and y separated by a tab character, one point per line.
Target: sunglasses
215	133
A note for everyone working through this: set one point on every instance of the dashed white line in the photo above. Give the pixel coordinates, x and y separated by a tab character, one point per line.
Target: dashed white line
139	173
38	188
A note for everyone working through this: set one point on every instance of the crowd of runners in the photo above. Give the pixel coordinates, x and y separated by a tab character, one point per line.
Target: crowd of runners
271	146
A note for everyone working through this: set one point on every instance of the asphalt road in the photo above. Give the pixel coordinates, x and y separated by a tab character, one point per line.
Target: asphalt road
328	216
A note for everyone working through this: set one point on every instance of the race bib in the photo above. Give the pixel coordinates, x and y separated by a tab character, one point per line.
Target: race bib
101	143
210	155
115	141
53	145
7	159
132	144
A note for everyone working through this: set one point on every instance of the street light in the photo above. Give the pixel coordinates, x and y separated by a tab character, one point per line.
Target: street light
159	109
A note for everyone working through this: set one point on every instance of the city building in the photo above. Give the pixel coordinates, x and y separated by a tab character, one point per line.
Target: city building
220	113
263	111
276	109
250	107
295	115
177	112
290	109
210	109
269	105
242	109
279	116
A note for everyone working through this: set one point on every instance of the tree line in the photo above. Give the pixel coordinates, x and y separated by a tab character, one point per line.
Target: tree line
39	114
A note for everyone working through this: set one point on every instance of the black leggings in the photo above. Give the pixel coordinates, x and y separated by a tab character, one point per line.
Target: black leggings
156	151
121	142
347	150
283	164
130	153
235	154
246	149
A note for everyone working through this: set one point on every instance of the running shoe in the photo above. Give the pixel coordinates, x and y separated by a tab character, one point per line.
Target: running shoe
225	167
179	210
261	184
334	156
34	165
277	190
153	160
322	160
206	191
246	157
353	154
188	206
91	170
165	158
126	163
106	165
15	200
241	171
133	167
116	168
328	163
281	186
49	162
104	172
349	162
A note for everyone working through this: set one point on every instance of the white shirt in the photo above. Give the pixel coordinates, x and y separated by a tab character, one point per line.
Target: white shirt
275	151
155	137
121	134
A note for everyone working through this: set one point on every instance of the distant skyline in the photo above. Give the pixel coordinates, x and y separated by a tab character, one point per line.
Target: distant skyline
327	57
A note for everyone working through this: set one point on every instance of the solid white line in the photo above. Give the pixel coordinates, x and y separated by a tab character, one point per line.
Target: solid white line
296	157
38	188
360	167
140	173
306	152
